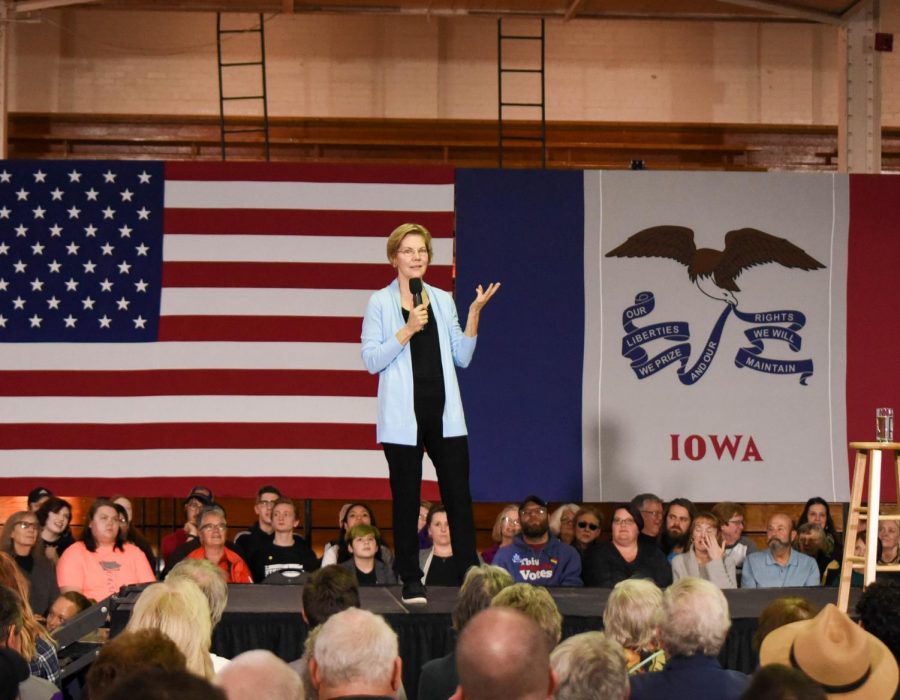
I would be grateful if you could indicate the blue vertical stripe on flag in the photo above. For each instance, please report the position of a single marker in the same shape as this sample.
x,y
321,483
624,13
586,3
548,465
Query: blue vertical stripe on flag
x,y
522,393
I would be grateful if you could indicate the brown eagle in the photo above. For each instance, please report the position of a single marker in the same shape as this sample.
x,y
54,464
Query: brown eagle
x,y
744,248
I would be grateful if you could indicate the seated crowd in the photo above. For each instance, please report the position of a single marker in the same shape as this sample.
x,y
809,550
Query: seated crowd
x,y
664,622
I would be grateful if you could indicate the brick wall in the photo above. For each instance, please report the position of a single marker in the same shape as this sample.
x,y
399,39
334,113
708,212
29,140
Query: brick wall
x,y
100,61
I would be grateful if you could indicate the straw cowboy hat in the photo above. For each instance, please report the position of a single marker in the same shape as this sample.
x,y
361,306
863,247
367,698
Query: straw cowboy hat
x,y
836,653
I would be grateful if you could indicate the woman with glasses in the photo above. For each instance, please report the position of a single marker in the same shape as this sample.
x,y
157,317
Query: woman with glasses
x,y
20,540
587,530
102,562
705,557
625,556
506,526
411,338
213,530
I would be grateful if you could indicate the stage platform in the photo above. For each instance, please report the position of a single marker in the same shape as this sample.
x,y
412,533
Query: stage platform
x,y
268,617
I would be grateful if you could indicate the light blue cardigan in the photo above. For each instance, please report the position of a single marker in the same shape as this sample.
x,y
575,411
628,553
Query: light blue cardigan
x,y
382,353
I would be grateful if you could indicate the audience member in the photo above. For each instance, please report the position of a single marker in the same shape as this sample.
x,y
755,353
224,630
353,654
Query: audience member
x,y
679,516
37,497
248,543
336,551
536,603
54,517
839,655
355,654
286,551
178,609
506,526
131,532
503,654
328,591
811,542
35,643
695,624
15,637
438,679
778,682
128,653
102,562
199,497
780,565
632,616
888,542
878,609
651,508
363,544
562,522
817,511
587,529
625,556
438,566
424,539
737,547
705,557
780,612
13,671
259,674
536,556
212,546
209,578
65,607
590,666
159,684
20,540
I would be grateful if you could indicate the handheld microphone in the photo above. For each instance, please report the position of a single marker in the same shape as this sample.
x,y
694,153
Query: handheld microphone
x,y
415,286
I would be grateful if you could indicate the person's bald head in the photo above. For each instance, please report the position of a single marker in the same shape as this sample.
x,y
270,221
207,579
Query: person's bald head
x,y
501,653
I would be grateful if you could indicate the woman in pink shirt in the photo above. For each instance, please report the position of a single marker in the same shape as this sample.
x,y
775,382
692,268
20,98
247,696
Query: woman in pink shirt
x,y
102,562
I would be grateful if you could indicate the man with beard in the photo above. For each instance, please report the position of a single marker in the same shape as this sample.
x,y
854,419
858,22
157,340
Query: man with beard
x,y
536,556
781,565
679,517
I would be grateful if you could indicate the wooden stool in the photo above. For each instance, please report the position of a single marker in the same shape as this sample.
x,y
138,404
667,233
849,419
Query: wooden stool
x,y
867,453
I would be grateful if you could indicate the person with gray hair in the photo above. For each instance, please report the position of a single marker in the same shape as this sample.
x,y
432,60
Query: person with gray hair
x,y
502,653
438,679
694,627
213,529
259,674
590,666
632,616
355,653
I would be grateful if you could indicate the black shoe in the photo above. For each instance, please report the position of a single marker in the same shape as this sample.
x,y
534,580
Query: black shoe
x,y
414,593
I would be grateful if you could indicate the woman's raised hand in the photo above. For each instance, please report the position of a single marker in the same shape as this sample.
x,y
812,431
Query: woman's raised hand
x,y
483,296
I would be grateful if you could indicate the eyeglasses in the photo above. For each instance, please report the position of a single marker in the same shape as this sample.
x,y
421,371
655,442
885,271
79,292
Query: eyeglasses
x,y
655,514
533,511
410,252
23,525
584,525
220,527
736,523
509,521
566,521
623,522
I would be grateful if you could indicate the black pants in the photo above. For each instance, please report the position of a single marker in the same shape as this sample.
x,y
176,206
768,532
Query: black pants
x,y
451,461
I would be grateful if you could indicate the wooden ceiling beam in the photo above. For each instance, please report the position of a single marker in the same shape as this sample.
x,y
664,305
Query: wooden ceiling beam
x,y
789,11
35,5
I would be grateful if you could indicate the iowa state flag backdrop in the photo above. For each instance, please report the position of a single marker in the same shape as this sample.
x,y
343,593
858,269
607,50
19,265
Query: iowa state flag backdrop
x,y
183,322
682,333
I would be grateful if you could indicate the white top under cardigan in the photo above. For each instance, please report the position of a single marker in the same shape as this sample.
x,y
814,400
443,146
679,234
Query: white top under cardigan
x,y
720,571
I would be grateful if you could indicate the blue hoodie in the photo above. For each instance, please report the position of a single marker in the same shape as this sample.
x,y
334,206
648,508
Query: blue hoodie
x,y
554,564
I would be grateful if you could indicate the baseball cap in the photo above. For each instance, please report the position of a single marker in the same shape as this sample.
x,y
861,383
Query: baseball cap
x,y
202,494
37,494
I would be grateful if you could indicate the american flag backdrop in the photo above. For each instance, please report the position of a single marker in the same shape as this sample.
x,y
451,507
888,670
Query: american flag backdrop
x,y
198,322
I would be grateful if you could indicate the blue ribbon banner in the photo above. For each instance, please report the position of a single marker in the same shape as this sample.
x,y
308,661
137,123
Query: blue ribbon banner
x,y
645,366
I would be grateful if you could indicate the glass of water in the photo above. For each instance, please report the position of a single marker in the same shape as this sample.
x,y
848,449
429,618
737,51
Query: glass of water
x,y
884,424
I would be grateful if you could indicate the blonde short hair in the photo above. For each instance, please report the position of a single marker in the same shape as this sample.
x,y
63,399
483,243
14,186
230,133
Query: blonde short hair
x,y
633,613
536,603
497,532
696,618
590,665
179,610
398,234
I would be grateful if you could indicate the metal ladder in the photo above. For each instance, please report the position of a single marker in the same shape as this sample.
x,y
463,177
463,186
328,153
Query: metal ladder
x,y
262,94
505,132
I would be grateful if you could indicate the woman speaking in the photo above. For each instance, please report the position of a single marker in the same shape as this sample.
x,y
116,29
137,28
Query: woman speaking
x,y
411,337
